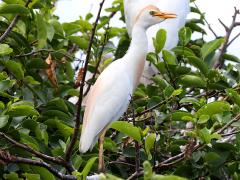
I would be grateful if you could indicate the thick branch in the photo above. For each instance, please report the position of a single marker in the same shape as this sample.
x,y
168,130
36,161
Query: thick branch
x,y
78,116
38,154
11,26
8,158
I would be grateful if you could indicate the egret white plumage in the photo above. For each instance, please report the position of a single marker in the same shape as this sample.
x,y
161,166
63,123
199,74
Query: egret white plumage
x,y
179,7
109,97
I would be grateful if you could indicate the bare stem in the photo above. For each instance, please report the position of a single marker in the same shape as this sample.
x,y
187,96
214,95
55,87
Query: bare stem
x,y
220,62
78,116
12,24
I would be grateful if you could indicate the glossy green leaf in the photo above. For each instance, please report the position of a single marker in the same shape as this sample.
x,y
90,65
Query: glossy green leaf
x,y
41,31
214,108
81,42
128,129
210,47
22,108
149,144
192,81
160,40
198,63
169,58
15,68
3,120
5,49
88,167
13,9
231,57
6,84
234,96
184,35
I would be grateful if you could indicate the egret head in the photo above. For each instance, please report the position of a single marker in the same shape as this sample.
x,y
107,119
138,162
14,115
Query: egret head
x,y
151,15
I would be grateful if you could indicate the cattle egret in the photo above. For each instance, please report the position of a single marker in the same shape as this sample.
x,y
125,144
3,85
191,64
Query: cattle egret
x,y
109,97
179,7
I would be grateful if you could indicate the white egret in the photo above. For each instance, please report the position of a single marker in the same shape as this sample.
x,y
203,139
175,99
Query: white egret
x,y
109,97
179,7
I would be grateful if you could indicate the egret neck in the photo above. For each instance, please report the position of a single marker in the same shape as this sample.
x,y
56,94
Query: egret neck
x,y
136,54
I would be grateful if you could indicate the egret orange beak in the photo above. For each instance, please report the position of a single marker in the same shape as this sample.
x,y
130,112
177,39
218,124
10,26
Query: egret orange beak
x,y
164,15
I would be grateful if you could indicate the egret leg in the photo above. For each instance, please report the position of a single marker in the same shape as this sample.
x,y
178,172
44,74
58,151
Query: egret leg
x,y
101,165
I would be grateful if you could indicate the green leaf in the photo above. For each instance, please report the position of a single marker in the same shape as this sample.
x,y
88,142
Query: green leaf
x,y
81,42
167,177
231,57
192,81
5,49
15,68
183,51
32,176
31,80
198,63
177,92
203,119
6,84
12,176
148,173
88,167
214,108
179,115
235,97
44,173
210,47
149,143
22,108
184,34
13,9
160,40
128,129
41,31
169,58
3,120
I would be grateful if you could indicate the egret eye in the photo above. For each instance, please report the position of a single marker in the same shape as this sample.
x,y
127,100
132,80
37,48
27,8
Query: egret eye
x,y
152,13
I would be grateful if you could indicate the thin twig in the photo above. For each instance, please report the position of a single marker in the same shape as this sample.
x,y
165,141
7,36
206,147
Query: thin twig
x,y
99,61
235,119
78,116
151,109
45,50
220,62
206,21
12,24
8,158
37,153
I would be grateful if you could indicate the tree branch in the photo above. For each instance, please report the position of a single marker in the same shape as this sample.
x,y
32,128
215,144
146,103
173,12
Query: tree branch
x,y
12,24
78,116
237,118
220,62
8,158
38,154
99,61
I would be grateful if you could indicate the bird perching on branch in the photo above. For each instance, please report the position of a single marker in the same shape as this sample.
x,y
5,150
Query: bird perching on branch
x,y
109,97
179,7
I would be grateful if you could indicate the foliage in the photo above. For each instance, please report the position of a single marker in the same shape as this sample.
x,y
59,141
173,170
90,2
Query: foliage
x,y
185,121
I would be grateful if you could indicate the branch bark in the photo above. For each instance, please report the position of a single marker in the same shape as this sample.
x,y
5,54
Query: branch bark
x,y
78,116
8,158
220,62
37,153
12,25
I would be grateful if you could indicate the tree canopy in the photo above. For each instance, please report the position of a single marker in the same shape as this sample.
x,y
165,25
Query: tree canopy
x,y
183,125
